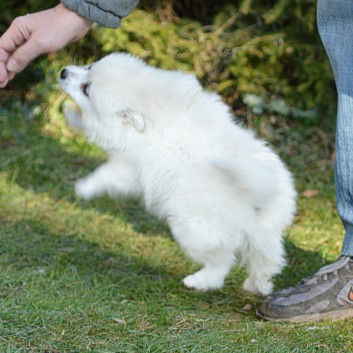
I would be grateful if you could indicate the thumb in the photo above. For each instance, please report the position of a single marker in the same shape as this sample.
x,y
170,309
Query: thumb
x,y
22,56
3,72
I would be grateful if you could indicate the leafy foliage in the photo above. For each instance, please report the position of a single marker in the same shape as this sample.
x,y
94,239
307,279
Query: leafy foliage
x,y
269,49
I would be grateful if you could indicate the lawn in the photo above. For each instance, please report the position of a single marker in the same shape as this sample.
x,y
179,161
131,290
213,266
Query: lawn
x,y
104,276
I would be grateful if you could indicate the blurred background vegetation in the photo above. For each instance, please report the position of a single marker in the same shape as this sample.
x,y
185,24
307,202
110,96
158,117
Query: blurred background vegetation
x,y
264,57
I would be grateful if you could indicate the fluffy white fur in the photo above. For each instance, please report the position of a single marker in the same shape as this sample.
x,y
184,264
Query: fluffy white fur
x,y
223,192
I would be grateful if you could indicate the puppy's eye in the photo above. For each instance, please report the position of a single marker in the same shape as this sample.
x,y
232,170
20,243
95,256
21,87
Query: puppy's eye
x,y
85,89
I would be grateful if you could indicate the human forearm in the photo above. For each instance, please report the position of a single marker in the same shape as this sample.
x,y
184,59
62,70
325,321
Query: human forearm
x,y
108,13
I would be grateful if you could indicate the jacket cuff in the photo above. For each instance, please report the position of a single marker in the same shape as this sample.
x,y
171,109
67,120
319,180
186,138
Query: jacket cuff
x,y
107,13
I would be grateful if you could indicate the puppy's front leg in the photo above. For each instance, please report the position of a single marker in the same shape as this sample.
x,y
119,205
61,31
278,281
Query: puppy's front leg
x,y
73,116
111,178
92,185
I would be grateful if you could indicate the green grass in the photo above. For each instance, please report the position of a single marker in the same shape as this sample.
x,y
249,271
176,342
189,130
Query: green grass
x,y
104,276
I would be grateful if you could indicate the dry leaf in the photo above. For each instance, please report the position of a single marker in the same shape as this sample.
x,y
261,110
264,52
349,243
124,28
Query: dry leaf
x,y
119,321
310,193
247,307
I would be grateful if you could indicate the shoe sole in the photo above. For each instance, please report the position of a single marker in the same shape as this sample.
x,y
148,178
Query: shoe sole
x,y
338,315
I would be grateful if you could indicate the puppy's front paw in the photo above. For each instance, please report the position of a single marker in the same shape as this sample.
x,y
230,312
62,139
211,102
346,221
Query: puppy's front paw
x,y
84,190
259,287
73,116
203,280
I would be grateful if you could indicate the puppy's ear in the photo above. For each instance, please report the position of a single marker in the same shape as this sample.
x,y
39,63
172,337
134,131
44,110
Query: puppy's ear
x,y
133,118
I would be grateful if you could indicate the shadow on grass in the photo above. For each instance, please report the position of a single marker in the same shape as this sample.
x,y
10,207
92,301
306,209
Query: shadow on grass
x,y
32,245
301,264
30,251
41,164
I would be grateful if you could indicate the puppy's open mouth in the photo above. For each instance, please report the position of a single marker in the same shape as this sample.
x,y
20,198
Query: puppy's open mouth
x,y
85,88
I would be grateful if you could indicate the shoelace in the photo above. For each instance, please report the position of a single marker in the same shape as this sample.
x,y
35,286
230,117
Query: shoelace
x,y
327,271
323,274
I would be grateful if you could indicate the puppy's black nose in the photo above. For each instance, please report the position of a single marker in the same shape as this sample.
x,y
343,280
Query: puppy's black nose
x,y
64,73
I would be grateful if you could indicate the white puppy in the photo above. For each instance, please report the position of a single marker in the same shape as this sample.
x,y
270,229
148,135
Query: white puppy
x,y
224,193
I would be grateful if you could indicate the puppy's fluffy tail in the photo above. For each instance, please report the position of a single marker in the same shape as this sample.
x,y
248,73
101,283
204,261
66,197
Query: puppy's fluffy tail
x,y
257,177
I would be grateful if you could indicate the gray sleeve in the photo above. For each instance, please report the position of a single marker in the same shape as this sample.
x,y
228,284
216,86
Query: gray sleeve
x,y
107,13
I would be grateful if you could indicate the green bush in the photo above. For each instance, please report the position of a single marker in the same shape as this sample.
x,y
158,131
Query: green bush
x,y
268,49
243,51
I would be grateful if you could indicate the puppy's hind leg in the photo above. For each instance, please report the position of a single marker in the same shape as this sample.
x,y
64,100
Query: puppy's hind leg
x,y
262,262
207,247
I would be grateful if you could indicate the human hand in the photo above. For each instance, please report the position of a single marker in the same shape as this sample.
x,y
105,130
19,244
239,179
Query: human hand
x,y
35,34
